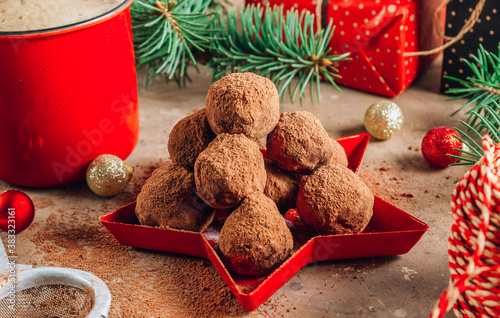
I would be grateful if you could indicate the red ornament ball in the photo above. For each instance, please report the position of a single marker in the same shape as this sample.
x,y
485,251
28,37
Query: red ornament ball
x,y
437,143
16,211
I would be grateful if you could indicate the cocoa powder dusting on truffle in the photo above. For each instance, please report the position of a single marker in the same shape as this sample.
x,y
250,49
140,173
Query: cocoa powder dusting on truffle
x,y
339,156
189,137
281,186
255,239
299,143
142,172
168,200
231,167
333,200
243,103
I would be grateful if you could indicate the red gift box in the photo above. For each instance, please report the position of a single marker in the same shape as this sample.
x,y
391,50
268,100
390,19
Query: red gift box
x,y
377,34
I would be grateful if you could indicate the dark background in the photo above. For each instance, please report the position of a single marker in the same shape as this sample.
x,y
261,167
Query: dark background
x,y
486,32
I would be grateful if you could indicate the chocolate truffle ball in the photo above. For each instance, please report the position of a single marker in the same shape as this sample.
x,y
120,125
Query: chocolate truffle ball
x,y
281,186
299,143
229,169
334,200
243,103
339,156
168,200
189,137
255,239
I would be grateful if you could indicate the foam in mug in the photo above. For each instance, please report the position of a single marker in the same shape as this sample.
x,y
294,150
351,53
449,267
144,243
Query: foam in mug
x,y
27,15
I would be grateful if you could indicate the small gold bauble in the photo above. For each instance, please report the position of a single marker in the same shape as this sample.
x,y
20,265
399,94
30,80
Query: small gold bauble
x,y
383,119
108,175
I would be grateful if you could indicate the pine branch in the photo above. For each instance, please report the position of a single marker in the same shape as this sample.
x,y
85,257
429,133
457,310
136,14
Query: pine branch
x,y
483,89
168,34
277,46
489,122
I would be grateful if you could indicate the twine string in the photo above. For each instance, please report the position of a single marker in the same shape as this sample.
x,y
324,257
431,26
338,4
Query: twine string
x,y
437,20
319,15
469,24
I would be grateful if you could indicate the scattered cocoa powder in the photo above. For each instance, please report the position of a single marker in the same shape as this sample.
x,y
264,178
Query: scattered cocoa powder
x,y
42,203
243,103
382,181
189,137
255,239
142,283
299,143
168,200
334,200
231,167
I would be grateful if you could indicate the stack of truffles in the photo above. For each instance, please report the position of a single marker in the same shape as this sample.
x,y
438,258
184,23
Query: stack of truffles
x,y
217,164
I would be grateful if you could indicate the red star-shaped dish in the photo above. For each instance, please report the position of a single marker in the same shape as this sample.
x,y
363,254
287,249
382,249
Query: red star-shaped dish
x,y
391,231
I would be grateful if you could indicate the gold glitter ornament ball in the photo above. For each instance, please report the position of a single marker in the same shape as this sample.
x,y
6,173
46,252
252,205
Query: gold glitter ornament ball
x,y
383,119
108,175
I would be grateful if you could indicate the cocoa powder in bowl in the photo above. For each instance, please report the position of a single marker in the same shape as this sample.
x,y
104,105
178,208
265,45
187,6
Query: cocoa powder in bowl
x,y
168,200
243,103
255,239
299,143
229,169
189,137
281,186
334,200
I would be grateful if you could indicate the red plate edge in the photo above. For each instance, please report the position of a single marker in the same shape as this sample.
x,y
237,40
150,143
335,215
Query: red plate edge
x,y
355,148
398,233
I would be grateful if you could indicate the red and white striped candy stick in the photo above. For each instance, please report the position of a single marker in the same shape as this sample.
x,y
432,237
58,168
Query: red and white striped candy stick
x,y
474,243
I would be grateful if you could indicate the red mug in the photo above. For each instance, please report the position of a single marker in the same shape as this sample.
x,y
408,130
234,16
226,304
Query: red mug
x,y
67,95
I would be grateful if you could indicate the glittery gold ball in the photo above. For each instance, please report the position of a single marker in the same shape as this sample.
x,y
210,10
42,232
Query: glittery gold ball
x,y
108,175
383,119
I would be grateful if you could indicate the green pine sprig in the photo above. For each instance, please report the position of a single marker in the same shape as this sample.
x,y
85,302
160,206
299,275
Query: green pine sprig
x,y
277,45
482,89
473,151
168,34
